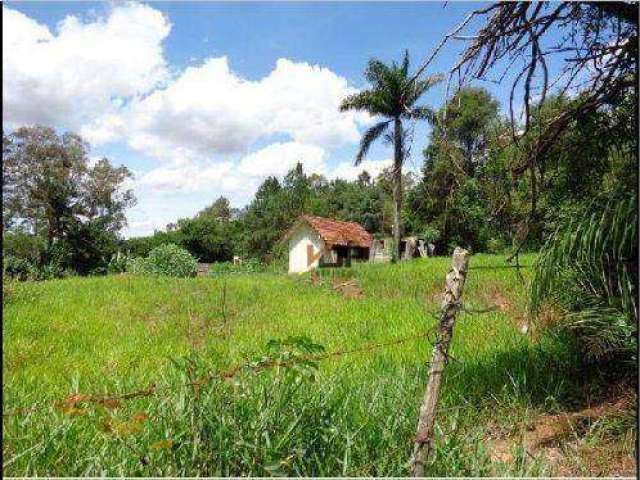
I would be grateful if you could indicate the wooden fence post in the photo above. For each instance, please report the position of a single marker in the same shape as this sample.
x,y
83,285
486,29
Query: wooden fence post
x,y
450,306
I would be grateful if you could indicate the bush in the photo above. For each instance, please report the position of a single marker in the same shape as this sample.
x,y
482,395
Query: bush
x,y
431,234
19,268
588,269
137,266
53,270
169,260
118,263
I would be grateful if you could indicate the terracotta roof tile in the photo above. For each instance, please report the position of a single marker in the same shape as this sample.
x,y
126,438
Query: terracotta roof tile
x,y
336,232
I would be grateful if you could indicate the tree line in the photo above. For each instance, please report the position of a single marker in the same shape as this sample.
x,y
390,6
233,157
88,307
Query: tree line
x,y
63,213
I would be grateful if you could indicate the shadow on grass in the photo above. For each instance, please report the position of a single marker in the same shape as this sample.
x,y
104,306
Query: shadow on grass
x,y
549,374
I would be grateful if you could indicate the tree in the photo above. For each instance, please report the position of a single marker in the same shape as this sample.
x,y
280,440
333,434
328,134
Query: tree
x,y
450,196
51,191
218,210
465,123
393,96
598,53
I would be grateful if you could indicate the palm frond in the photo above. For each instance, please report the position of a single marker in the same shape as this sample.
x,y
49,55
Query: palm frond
x,y
368,138
371,101
422,85
405,64
377,73
588,267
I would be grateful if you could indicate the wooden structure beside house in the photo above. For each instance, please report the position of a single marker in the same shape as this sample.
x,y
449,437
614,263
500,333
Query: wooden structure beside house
x,y
323,242
410,247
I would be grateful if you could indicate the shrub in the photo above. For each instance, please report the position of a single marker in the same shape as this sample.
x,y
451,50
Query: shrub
x,y
169,260
431,234
588,268
53,270
137,266
18,268
118,263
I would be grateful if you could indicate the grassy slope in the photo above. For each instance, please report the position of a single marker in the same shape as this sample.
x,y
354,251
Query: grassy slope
x,y
118,333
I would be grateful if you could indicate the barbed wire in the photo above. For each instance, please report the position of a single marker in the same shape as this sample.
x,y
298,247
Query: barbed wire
x,y
111,400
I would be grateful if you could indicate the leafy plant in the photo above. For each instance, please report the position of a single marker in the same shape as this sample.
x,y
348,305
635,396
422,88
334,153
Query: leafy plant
x,y
588,268
118,263
496,245
18,268
250,265
169,260
431,234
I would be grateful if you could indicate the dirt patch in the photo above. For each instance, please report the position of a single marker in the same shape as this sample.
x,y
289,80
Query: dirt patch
x,y
500,301
562,440
347,288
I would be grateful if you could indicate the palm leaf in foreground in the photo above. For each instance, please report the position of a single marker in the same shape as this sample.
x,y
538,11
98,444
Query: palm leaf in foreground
x,y
588,269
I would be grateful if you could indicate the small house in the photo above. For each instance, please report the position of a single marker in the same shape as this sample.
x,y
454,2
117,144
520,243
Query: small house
x,y
323,242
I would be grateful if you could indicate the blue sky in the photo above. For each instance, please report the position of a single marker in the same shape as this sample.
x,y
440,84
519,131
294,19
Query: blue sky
x,y
207,99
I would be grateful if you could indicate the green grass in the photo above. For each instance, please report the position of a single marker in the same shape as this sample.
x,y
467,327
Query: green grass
x,y
121,333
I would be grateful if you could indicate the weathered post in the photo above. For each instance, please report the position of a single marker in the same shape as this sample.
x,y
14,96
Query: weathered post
x,y
450,305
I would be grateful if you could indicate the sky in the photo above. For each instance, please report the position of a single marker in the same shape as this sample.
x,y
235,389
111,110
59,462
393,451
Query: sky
x,y
203,99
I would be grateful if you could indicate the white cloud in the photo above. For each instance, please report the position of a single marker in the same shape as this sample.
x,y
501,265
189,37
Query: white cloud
x,y
107,78
278,158
209,110
188,178
348,171
82,70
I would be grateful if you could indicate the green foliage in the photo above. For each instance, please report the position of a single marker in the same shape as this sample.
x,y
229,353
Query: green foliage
x,y
141,246
451,196
18,268
137,266
588,268
210,236
496,245
169,260
118,263
207,238
72,210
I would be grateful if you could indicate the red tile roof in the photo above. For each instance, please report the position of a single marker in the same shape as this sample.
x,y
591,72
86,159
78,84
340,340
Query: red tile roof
x,y
336,232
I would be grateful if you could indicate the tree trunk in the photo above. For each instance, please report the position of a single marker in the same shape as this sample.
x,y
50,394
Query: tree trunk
x,y
450,306
397,187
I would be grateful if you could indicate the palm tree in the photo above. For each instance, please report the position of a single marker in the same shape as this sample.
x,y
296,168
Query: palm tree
x,y
393,96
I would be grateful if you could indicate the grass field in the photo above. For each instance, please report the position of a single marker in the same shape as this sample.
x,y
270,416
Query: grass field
x,y
354,416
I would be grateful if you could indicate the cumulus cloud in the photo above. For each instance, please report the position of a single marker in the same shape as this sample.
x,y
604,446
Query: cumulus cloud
x,y
84,69
244,176
210,110
348,171
106,77
278,158
188,178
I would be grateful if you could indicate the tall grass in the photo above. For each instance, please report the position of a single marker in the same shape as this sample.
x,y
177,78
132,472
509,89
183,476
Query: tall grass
x,y
350,415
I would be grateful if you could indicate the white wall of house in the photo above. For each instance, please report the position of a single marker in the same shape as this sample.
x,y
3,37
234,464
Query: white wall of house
x,y
299,242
